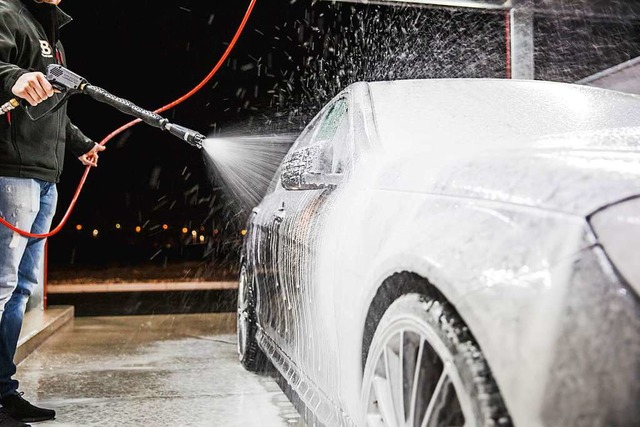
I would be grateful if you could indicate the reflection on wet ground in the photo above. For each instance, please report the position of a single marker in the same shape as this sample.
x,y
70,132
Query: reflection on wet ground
x,y
162,370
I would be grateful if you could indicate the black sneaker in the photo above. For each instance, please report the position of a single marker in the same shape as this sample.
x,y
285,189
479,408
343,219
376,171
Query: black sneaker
x,y
22,410
7,420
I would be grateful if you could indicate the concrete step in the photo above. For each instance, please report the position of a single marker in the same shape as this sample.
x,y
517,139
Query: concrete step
x,y
40,324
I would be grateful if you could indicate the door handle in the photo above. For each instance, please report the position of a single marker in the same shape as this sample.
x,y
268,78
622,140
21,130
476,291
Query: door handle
x,y
280,213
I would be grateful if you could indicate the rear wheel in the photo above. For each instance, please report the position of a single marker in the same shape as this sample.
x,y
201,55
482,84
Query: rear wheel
x,y
424,369
250,355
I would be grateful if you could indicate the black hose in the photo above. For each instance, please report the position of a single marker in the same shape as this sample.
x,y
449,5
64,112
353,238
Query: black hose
x,y
148,117
127,107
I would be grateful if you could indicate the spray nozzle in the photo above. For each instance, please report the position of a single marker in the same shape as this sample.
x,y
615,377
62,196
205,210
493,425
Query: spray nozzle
x,y
192,137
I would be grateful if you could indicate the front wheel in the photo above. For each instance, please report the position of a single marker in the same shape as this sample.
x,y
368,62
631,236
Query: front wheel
x,y
249,354
425,369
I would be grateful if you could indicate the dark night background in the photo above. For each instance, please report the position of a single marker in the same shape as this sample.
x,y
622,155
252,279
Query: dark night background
x,y
292,58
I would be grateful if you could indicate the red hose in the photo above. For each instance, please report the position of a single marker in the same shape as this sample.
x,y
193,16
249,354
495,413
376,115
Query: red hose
x,y
215,69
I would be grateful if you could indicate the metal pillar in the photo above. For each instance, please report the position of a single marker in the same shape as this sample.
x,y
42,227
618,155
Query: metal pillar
x,y
520,43
476,4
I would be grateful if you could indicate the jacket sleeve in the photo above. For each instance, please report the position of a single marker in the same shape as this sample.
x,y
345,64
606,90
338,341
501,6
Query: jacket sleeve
x,y
9,45
77,142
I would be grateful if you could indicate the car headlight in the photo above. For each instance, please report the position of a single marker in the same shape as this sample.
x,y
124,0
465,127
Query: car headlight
x,y
618,230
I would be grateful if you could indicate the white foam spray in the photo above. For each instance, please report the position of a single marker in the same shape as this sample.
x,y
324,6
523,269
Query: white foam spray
x,y
244,166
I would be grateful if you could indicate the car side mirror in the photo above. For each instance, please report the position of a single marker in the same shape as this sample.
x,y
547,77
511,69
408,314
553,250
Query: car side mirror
x,y
304,170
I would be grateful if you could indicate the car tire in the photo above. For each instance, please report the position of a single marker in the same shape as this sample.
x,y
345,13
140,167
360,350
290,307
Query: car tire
x,y
424,368
249,353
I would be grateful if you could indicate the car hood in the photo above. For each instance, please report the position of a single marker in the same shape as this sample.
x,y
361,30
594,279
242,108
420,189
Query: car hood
x,y
575,173
448,113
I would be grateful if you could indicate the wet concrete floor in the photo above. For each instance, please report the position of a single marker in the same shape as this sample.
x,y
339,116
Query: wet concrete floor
x,y
162,370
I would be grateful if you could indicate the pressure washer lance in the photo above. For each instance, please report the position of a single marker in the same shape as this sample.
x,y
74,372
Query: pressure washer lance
x,y
70,83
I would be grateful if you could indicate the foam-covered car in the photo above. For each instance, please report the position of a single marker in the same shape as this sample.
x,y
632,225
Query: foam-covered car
x,y
453,252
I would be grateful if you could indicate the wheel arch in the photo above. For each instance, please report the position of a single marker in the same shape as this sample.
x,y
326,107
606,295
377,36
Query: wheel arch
x,y
392,288
490,407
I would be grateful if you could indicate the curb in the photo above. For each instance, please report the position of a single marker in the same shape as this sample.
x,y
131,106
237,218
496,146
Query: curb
x,y
39,325
139,287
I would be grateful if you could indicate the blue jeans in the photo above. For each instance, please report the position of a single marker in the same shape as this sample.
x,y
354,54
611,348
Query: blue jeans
x,y
30,205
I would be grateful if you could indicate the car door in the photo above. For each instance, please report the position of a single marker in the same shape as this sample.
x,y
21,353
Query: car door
x,y
300,218
266,221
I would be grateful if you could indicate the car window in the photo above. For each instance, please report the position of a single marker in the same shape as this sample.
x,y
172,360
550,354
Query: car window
x,y
323,127
337,153
332,137
331,121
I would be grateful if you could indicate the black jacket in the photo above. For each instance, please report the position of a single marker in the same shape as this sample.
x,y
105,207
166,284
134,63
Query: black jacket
x,y
29,42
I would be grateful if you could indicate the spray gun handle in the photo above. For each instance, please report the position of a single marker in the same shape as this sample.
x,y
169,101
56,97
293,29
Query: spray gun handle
x,y
64,79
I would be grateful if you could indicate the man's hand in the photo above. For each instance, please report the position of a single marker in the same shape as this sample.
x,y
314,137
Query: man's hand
x,y
90,158
33,87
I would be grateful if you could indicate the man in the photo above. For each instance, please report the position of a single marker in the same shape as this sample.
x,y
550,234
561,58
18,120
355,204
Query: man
x,y
31,157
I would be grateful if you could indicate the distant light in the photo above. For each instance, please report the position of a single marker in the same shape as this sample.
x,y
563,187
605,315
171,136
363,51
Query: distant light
x,y
138,229
118,226
194,233
216,231
202,238
79,227
95,233
185,230
165,227
243,232
202,228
